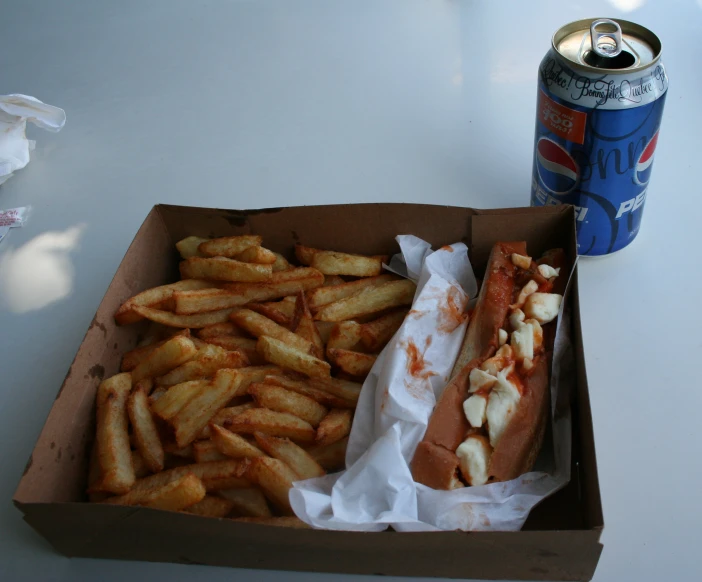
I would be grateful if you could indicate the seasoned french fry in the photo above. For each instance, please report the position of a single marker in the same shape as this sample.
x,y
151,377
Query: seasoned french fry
x,y
164,358
335,263
305,254
186,453
282,400
258,325
376,334
243,344
281,263
144,430
333,280
206,451
223,269
196,320
203,365
295,457
303,325
272,423
275,478
215,475
154,296
324,328
249,502
347,390
278,353
229,246
257,255
345,335
194,416
353,363
156,394
305,387
223,416
284,521
147,385
282,312
173,401
206,300
219,330
189,246
331,457
112,437
94,476
211,506
334,426
178,495
321,296
232,445
141,469
369,300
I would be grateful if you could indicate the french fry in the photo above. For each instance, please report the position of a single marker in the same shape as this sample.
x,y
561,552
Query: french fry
x,y
321,296
278,353
305,387
215,475
229,246
248,502
211,506
334,426
223,269
303,325
232,445
282,312
196,320
331,457
205,301
186,453
275,478
258,325
353,363
156,394
244,344
173,401
189,246
282,400
257,255
94,476
206,451
223,416
134,357
295,457
219,330
305,254
347,390
333,280
112,437
284,521
144,430
369,300
141,469
147,385
335,263
376,334
203,365
345,335
272,423
164,358
178,495
194,416
281,263
324,328
154,296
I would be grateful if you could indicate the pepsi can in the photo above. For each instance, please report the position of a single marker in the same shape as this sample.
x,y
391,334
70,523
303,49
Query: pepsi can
x,y
602,87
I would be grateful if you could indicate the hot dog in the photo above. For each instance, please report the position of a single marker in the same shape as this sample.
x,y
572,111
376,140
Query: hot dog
x,y
489,423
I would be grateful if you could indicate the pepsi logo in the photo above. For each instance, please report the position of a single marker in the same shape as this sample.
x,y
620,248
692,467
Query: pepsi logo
x,y
557,169
642,172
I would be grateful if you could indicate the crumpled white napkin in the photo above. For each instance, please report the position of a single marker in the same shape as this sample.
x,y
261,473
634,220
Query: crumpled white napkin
x,y
377,490
15,111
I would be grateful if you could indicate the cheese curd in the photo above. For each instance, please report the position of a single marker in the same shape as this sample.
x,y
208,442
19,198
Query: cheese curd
x,y
531,287
521,261
543,307
502,404
502,337
473,459
480,380
523,342
547,271
516,318
474,408
499,361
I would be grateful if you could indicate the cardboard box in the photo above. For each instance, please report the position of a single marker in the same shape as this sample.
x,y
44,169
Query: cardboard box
x,y
560,540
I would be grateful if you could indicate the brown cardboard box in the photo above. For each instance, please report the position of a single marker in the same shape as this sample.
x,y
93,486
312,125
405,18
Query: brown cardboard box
x,y
560,540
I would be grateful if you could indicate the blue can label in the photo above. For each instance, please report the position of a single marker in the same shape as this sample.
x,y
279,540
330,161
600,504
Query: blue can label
x,y
595,141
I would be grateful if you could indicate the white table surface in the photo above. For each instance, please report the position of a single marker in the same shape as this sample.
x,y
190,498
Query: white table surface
x,y
249,104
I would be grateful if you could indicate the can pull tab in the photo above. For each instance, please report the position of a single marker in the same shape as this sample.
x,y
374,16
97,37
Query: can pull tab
x,y
606,38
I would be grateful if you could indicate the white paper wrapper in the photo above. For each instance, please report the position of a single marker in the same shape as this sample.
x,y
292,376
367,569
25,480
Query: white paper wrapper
x,y
15,111
377,490
13,218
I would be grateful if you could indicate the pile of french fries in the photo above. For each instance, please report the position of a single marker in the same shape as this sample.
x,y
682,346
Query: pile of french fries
x,y
246,381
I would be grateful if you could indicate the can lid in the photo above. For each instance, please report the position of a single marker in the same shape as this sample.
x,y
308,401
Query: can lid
x,y
609,45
